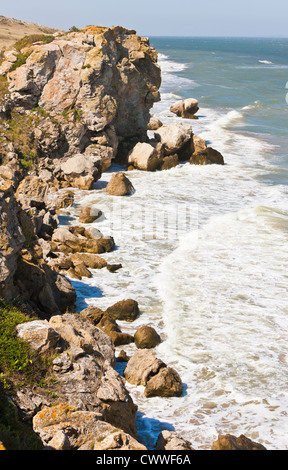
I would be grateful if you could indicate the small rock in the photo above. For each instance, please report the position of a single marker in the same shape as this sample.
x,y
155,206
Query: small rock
x,y
146,337
89,215
229,442
119,185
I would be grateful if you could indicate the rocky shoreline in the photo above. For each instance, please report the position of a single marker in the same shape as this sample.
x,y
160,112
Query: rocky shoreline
x,y
70,105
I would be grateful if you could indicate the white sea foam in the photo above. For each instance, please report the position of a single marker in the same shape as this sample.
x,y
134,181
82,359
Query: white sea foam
x,y
268,62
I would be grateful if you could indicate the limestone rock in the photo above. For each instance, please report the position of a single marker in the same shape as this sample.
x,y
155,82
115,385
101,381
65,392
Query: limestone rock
x,y
83,369
154,124
185,108
168,440
166,383
127,310
229,442
40,335
146,337
11,242
81,171
64,427
89,215
207,157
173,137
141,366
144,157
119,185
91,89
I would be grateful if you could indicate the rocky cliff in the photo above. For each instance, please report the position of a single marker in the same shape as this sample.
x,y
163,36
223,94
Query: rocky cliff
x,y
86,92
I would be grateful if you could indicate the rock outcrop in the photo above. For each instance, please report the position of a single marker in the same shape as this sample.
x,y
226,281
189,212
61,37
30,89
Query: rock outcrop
x,y
25,226
83,369
82,93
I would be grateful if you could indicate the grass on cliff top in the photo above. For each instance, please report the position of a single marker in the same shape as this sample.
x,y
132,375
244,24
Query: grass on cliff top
x,y
28,41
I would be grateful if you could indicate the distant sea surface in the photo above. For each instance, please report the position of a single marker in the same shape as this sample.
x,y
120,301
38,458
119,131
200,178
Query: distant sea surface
x,y
216,288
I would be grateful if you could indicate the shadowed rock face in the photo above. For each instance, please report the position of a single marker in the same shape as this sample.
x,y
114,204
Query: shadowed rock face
x,y
95,87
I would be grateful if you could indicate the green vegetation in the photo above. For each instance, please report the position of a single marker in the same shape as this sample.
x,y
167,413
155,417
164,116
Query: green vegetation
x,y
3,86
73,29
15,354
20,366
21,60
15,434
28,41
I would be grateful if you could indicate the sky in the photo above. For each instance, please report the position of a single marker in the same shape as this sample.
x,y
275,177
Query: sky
x,y
244,18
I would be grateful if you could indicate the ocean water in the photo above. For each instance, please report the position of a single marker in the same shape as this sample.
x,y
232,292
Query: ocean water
x,y
204,248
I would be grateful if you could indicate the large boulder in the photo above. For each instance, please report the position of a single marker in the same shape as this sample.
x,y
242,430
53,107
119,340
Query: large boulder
x,y
169,440
185,108
81,171
64,427
143,368
144,156
208,156
167,383
83,366
173,137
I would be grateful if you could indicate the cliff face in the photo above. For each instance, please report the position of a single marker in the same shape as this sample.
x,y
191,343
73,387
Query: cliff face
x,y
85,92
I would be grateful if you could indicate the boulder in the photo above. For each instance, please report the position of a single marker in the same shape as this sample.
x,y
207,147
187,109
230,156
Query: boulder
x,y
169,162
173,137
40,335
194,146
185,108
89,260
144,156
127,310
89,215
141,366
66,427
106,323
168,440
119,185
208,156
229,442
78,239
166,383
146,337
81,171
154,124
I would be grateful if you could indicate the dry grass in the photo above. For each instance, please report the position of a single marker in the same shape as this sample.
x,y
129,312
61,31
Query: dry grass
x,y
11,30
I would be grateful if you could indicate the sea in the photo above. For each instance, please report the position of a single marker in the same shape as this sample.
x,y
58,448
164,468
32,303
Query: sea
x,y
204,249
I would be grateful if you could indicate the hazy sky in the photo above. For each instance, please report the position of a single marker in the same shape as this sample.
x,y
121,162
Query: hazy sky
x,y
160,17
